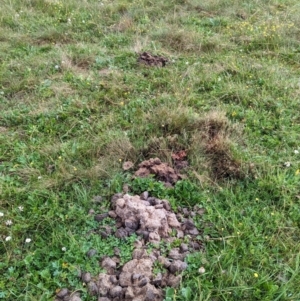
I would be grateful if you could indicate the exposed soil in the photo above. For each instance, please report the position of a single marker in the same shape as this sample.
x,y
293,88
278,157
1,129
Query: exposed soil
x,y
162,171
180,160
152,60
127,165
154,222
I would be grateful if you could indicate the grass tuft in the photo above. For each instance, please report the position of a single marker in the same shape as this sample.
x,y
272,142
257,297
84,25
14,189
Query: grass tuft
x,y
214,140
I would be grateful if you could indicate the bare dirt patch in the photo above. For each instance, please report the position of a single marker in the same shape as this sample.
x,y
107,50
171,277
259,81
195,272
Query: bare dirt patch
x,y
180,160
149,59
162,171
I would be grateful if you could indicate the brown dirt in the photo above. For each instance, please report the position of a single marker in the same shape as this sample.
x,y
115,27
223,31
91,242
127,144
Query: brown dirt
x,y
152,60
162,171
154,222
180,160
127,165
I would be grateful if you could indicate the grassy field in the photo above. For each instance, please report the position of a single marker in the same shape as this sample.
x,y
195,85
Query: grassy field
x,y
75,104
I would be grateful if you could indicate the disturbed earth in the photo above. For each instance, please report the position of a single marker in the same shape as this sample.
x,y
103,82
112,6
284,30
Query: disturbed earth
x,y
154,223
149,59
162,171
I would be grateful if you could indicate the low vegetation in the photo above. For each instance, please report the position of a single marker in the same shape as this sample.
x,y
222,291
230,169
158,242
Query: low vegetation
x,y
76,103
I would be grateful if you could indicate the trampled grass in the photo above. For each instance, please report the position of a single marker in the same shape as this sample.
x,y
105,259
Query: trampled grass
x,y
75,104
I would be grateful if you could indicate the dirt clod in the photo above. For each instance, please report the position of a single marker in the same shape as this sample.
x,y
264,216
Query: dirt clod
x,y
144,195
157,280
162,171
176,255
184,248
109,265
101,217
195,245
86,277
152,60
121,233
91,253
172,280
93,288
62,293
112,214
127,165
104,284
177,266
154,222
116,291
139,253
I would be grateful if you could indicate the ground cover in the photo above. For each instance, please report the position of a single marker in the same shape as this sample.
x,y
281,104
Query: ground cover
x,y
86,86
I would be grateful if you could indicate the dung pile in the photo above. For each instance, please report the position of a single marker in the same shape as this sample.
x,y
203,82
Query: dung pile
x,y
154,222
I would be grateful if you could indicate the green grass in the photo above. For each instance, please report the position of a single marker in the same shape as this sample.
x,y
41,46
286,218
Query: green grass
x,y
75,104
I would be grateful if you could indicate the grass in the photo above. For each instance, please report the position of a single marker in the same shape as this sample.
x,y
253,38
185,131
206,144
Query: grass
x,y
74,105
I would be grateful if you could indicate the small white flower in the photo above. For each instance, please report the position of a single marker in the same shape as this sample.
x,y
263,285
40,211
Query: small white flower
x,y
287,164
64,249
8,222
201,270
83,21
1,214
186,63
8,238
69,20
56,67
296,152
21,208
27,240
39,177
